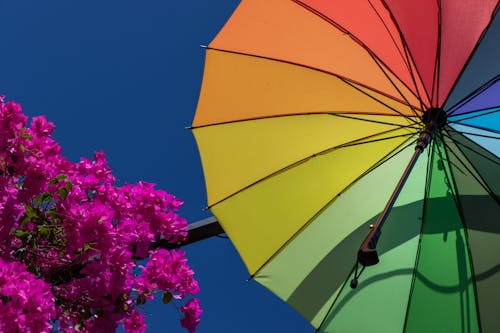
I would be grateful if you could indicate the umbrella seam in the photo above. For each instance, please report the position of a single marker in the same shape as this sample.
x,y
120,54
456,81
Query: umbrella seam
x,y
469,148
372,121
437,63
451,179
472,95
481,128
477,134
417,255
482,182
310,114
493,110
346,280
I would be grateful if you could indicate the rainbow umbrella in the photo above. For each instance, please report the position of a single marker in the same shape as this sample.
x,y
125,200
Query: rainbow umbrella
x,y
350,151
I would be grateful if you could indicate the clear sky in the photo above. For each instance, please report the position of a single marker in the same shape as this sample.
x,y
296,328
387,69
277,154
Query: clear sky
x,y
123,76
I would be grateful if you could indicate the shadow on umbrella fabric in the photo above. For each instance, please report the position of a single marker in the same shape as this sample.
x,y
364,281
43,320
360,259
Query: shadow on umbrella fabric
x,y
322,281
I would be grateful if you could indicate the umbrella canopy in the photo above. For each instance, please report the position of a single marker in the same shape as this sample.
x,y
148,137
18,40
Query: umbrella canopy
x,y
317,119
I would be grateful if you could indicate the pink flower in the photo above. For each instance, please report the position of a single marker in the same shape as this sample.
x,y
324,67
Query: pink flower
x,y
134,323
69,236
26,302
192,312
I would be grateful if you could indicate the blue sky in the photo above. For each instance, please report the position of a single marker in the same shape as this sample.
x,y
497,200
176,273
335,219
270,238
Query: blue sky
x,y
123,76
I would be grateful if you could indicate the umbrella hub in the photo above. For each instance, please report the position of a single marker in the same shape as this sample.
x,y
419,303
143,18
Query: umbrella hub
x,y
435,117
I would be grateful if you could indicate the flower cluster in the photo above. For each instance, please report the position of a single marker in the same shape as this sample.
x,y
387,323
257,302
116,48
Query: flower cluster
x,y
70,239
26,302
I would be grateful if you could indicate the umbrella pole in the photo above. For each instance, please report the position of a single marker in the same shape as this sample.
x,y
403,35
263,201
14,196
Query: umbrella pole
x,y
433,119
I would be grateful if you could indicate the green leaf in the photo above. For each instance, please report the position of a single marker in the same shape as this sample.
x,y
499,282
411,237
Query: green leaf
x,y
57,178
20,233
29,213
43,231
63,193
166,297
25,135
44,197
86,247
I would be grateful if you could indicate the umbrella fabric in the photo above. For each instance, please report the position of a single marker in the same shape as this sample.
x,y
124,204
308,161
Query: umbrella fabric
x,y
308,115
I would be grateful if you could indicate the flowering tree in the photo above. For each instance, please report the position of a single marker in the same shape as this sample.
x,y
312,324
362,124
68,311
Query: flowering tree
x,y
70,239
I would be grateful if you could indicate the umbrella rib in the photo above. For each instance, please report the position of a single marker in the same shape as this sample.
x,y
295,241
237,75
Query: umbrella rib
x,y
473,95
476,115
365,47
480,128
383,103
409,60
348,115
397,150
437,63
465,229
471,55
403,56
479,180
394,85
483,135
405,44
305,159
471,149
342,78
477,134
308,114
417,255
456,166
448,177
353,270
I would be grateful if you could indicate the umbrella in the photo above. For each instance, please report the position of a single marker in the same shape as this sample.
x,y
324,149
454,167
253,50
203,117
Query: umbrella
x,y
350,152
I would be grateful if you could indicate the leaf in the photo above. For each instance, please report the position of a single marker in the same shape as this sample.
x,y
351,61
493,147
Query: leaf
x,y
63,193
166,297
29,213
86,247
44,231
20,233
44,197
57,178
25,135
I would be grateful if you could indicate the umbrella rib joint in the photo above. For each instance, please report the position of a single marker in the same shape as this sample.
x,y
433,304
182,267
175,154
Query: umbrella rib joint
x,y
434,119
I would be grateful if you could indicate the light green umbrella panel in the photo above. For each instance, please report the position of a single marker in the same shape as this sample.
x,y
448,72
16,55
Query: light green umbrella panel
x,y
425,281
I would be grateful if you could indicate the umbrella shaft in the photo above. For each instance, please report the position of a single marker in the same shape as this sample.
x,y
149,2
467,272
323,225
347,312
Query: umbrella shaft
x,y
367,253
